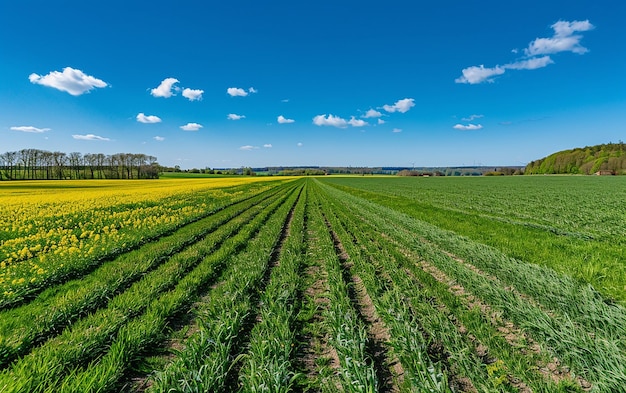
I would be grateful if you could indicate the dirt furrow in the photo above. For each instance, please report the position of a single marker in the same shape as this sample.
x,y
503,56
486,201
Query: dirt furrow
x,y
513,335
378,333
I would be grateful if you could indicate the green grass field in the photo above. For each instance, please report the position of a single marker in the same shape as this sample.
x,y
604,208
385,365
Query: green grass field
x,y
575,225
349,284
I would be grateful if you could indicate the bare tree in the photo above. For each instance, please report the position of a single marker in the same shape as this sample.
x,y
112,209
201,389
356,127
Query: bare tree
x,y
60,161
75,159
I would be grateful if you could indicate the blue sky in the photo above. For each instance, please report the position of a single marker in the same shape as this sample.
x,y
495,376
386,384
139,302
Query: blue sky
x,y
352,83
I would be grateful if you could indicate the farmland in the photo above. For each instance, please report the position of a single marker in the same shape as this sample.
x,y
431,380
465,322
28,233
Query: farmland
x,y
323,284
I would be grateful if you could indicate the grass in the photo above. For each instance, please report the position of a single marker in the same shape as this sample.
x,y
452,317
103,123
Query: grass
x,y
572,224
408,285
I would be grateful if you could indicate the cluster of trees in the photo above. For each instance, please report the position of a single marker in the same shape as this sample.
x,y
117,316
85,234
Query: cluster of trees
x,y
34,164
605,158
409,172
246,171
463,171
302,172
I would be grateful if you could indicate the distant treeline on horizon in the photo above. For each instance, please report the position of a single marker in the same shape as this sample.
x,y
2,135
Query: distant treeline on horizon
x,y
314,170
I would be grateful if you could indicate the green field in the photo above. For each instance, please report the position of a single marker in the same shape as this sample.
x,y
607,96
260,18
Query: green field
x,y
353,284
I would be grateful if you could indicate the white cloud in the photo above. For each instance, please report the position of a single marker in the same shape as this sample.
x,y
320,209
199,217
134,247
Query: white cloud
x,y
283,120
285,100
372,113
148,119
248,147
530,64
563,40
357,122
166,89
159,138
192,95
252,90
396,130
233,116
474,75
267,145
191,127
30,129
381,121
480,74
236,92
335,121
401,106
469,127
299,144
90,137
70,81
472,117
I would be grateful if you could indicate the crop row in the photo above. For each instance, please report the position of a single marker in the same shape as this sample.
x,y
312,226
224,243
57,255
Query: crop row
x,y
56,240
307,287
206,362
573,225
134,318
570,322
347,336
52,310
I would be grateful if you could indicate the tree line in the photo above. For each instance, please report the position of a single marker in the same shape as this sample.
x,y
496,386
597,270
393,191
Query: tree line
x,y
35,164
607,158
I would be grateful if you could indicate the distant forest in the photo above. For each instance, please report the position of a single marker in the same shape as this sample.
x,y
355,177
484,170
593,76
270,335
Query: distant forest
x,y
606,159
34,164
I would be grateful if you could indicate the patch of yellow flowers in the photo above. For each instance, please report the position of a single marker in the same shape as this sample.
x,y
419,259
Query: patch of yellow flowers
x,y
48,226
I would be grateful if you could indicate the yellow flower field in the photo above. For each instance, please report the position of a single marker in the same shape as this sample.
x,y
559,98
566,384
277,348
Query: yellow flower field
x,y
47,228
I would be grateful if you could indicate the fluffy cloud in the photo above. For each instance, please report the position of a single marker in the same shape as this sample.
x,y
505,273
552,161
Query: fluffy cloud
x,y
236,92
233,116
469,127
563,40
381,121
90,137
30,129
248,147
357,122
239,92
148,119
159,138
70,81
166,89
336,121
192,95
480,74
401,106
396,130
191,127
267,145
330,120
372,113
283,120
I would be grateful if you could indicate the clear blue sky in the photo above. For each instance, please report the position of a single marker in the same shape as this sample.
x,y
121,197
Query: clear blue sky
x,y
359,83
